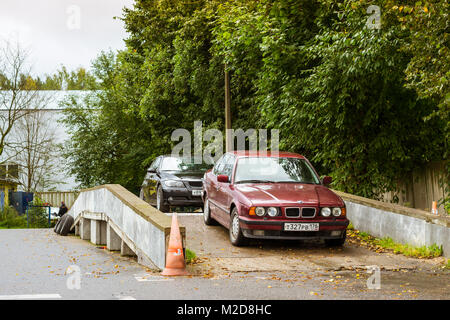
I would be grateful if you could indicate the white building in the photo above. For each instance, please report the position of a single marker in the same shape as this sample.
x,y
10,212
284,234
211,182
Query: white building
x,y
49,112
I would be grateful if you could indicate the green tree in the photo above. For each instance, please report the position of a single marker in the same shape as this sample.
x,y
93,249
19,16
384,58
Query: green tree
x,y
428,71
79,79
340,93
108,141
334,88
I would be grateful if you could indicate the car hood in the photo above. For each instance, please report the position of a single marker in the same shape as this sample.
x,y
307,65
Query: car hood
x,y
289,194
179,175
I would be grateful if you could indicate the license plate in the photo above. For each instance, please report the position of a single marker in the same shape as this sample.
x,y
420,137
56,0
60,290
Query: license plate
x,y
301,227
196,192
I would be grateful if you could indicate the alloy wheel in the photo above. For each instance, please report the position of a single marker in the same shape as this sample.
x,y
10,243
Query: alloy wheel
x,y
235,227
206,210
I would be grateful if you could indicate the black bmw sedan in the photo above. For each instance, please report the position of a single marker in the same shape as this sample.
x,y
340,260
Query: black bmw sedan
x,y
173,181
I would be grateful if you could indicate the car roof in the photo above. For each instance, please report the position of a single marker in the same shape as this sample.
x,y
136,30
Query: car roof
x,y
174,156
262,154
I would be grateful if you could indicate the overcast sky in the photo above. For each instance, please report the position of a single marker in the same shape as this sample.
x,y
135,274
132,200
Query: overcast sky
x,y
69,32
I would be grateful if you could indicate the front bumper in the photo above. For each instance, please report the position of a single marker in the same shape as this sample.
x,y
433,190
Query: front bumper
x,y
274,229
182,197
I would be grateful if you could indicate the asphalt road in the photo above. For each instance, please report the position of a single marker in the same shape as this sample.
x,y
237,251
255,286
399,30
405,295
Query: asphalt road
x,y
34,265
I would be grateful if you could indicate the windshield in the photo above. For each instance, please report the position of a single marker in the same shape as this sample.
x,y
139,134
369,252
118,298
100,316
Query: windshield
x,y
180,164
274,170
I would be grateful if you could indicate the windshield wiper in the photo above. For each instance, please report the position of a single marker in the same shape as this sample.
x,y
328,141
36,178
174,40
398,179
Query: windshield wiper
x,y
255,181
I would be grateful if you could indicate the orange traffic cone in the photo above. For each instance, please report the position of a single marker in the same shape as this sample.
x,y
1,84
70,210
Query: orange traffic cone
x,y
434,208
175,264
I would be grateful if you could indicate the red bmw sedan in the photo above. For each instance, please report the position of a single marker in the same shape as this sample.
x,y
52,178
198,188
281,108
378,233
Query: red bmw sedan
x,y
268,195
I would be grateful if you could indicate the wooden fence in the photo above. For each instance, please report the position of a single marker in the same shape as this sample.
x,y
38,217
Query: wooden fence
x,y
54,198
421,188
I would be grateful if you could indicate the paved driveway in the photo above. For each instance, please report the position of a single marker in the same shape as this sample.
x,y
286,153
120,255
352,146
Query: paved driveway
x,y
34,265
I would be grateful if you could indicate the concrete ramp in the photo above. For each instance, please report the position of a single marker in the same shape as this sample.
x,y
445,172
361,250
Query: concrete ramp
x,y
112,216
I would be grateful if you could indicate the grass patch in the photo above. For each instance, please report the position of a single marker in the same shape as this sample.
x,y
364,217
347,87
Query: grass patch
x,y
190,256
387,244
410,251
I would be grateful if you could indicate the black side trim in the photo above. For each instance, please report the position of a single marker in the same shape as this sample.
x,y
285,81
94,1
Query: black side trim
x,y
217,206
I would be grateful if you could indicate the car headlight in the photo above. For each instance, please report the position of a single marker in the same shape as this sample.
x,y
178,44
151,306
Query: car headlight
x,y
174,184
336,212
260,211
326,212
272,211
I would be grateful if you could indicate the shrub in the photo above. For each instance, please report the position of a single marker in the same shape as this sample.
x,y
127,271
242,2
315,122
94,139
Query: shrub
x,y
37,216
10,219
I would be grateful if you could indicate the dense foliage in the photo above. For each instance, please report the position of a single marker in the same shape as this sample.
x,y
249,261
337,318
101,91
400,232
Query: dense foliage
x,y
36,217
10,219
365,105
62,79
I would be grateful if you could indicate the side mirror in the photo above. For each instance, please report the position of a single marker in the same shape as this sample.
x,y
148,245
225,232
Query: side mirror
x,y
223,178
327,181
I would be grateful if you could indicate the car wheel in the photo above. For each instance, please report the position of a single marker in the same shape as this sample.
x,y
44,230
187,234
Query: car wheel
x,y
207,219
236,236
336,242
66,225
160,201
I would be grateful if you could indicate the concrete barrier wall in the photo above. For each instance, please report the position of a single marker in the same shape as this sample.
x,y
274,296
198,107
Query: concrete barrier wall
x,y
404,225
105,213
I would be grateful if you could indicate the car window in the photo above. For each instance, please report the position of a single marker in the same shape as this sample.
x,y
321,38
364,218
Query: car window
x,y
274,170
153,168
219,165
228,166
155,164
182,164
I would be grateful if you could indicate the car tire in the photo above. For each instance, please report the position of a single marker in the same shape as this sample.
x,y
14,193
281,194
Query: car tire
x,y
60,224
56,225
336,242
207,219
236,237
160,201
66,225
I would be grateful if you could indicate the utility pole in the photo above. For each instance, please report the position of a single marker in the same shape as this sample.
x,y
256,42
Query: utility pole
x,y
228,135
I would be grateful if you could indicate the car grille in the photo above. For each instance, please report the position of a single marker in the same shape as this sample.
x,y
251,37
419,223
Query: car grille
x,y
195,184
297,212
308,212
292,212
306,234
178,198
